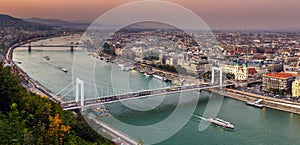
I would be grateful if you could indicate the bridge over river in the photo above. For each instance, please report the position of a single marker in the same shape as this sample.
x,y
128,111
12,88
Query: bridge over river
x,y
83,103
71,46
80,102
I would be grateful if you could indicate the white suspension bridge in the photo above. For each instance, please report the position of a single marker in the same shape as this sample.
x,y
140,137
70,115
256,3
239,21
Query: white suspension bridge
x,y
81,102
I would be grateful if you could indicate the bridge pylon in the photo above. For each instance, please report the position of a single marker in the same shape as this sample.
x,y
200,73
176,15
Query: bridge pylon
x,y
213,75
79,86
72,47
29,47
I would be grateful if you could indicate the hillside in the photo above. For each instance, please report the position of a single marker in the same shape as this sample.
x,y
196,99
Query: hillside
x,y
14,30
4,17
29,119
56,22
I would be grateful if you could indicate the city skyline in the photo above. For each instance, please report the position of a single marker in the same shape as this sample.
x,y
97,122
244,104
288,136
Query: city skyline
x,y
232,14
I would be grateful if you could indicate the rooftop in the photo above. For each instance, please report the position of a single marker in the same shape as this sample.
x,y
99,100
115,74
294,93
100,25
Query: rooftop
x,y
281,75
252,71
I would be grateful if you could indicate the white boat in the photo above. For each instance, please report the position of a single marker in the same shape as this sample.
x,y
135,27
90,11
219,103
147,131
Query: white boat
x,y
64,70
127,69
222,123
146,75
256,103
158,77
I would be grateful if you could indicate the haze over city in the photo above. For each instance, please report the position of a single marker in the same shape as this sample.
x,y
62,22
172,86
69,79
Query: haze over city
x,y
236,14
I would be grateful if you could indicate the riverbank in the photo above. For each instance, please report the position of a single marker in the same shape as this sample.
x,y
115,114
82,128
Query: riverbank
x,y
273,103
147,70
30,84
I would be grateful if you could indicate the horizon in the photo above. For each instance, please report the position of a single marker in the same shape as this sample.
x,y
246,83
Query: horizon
x,y
228,14
213,29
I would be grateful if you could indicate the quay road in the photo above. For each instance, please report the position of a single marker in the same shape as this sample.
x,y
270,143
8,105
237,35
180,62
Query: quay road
x,y
274,103
31,84
119,136
71,105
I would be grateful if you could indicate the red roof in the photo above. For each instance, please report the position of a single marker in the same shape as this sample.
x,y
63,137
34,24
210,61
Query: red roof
x,y
280,75
252,71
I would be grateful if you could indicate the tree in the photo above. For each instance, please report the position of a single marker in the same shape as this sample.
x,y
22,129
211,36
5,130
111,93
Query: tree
x,y
141,142
57,131
207,75
12,126
230,76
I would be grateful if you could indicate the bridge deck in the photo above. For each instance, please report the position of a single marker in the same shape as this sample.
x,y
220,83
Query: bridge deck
x,y
72,105
59,45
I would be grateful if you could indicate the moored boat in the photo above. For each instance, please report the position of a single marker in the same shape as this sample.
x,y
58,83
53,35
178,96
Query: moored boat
x,y
158,77
256,103
146,75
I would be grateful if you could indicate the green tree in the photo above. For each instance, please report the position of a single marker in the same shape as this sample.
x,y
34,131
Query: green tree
x,y
12,126
10,89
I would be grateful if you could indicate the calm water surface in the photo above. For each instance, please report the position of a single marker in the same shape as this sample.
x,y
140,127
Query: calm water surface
x,y
254,126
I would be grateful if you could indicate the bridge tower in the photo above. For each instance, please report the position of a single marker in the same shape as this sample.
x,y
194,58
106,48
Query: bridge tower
x,y
29,47
79,83
213,75
72,47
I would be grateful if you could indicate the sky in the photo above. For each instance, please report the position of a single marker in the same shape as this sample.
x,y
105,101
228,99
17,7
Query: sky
x,y
260,14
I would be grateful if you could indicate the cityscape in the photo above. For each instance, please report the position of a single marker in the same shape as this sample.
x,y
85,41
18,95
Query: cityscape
x,y
79,80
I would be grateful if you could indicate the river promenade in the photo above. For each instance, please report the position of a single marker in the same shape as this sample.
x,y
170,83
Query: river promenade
x,y
274,103
30,84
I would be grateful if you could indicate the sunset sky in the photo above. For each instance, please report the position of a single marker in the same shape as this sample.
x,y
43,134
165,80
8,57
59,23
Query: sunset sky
x,y
216,13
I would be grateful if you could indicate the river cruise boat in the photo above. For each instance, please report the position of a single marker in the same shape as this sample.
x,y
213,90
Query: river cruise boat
x,y
221,123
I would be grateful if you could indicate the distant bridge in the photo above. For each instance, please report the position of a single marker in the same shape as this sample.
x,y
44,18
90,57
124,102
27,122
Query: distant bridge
x,y
71,46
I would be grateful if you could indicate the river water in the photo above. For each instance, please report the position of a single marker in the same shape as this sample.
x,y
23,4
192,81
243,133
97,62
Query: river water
x,y
254,126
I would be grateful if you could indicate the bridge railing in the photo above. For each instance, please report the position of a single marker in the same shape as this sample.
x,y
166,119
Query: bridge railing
x,y
113,99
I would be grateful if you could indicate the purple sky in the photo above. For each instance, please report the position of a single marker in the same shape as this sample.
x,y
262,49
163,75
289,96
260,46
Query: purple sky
x,y
216,13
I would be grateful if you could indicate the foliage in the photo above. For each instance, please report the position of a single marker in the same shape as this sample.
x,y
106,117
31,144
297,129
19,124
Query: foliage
x,y
167,68
207,75
230,76
29,119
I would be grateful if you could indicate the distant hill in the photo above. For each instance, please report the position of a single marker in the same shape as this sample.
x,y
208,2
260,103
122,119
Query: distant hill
x,y
56,22
4,17
46,21
150,25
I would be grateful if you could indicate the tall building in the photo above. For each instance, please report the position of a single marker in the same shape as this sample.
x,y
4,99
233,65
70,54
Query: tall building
x,y
278,83
296,88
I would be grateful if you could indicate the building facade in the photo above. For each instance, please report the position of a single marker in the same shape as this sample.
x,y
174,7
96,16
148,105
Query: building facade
x,y
296,88
275,67
241,72
278,83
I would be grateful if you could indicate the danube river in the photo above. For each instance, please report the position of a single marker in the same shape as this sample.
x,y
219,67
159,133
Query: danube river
x,y
254,126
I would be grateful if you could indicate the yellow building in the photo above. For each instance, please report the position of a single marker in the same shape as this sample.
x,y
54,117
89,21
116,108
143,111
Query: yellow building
x,y
296,88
